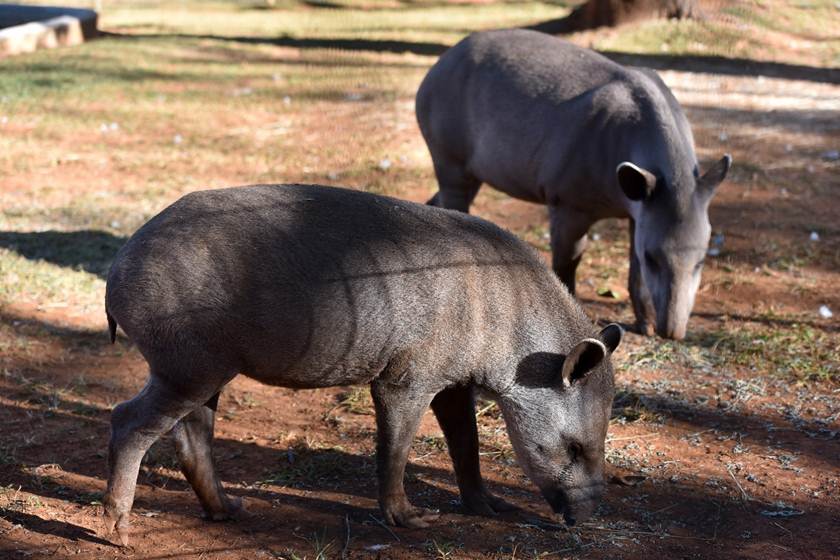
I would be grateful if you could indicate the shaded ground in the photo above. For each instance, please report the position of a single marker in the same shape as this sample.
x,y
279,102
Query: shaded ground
x,y
735,433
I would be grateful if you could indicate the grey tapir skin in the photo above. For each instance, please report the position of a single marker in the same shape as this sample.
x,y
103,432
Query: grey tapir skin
x,y
307,286
552,123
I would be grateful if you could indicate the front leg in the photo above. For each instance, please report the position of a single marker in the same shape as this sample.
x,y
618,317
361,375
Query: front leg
x,y
568,242
455,411
639,294
398,413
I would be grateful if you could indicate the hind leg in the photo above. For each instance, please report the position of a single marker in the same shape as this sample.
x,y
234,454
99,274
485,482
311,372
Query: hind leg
x,y
135,425
457,187
194,441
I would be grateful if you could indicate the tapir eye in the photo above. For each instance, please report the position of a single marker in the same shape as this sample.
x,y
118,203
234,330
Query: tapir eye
x,y
540,449
575,451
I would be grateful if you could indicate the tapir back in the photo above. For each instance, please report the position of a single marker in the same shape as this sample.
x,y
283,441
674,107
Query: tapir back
x,y
312,286
544,120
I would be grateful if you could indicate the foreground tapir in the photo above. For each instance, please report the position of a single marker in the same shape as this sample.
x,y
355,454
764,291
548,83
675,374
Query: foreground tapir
x,y
549,122
307,286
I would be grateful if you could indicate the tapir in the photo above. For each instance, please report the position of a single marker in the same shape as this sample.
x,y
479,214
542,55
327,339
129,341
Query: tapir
x,y
307,286
549,122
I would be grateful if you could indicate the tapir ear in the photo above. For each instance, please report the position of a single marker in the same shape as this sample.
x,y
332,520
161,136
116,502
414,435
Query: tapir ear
x,y
637,183
714,176
611,335
582,359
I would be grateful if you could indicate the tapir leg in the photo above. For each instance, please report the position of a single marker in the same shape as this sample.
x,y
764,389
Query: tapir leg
x,y
457,187
194,441
398,413
455,411
568,242
639,295
135,425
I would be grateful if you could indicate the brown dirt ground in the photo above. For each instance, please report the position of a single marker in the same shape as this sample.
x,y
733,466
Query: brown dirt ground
x,y
716,449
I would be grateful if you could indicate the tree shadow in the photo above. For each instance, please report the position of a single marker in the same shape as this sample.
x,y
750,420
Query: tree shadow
x,y
88,250
347,44
711,64
684,63
793,120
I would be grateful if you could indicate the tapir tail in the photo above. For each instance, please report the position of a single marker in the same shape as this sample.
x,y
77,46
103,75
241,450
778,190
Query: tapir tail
x,y
112,326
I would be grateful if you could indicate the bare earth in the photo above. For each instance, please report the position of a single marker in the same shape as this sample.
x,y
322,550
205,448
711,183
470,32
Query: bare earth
x,y
710,456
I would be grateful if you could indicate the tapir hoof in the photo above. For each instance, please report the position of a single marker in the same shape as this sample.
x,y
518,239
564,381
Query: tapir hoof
x,y
234,509
116,520
412,517
644,328
486,504
119,523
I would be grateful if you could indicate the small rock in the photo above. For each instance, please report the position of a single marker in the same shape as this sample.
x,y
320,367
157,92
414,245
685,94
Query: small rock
x,y
287,100
354,97
332,176
4,119
596,237
788,148
825,312
113,126
713,251
723,137
814,236
177,139
831,155
385,164
115,224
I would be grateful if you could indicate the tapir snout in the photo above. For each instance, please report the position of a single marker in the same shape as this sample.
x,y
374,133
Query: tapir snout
x,y
575,504
674,301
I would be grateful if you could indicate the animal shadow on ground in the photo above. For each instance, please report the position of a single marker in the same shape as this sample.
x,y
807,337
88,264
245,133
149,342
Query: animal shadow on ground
x,y
52,527
88,250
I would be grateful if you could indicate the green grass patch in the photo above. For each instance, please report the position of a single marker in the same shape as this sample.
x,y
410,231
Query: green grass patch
x,y
798,351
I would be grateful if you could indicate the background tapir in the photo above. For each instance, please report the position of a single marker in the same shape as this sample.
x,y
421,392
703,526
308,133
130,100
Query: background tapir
x,y
308,286
549,122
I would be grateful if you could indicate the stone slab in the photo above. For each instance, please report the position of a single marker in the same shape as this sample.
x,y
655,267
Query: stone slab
x,y
29,28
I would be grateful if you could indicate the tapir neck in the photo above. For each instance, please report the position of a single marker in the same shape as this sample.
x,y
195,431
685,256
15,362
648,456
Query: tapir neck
x,y
548,322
